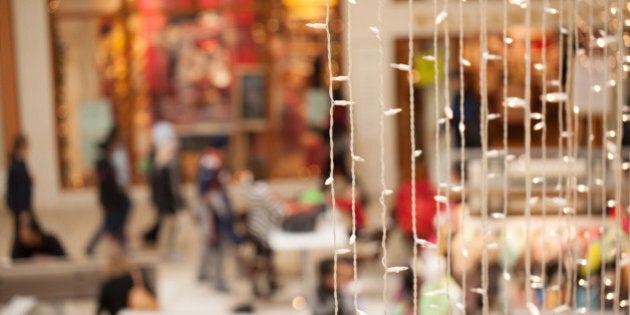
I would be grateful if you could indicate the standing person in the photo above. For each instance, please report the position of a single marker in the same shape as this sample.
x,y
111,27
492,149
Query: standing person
x,y
216,215
471,114
113,195
19,184
150,236
164,175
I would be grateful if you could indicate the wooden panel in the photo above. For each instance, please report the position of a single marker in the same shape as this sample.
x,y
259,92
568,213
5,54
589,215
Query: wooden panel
x,y
402,119
10,110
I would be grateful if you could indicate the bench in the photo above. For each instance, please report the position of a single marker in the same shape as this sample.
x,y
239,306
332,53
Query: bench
x,y
61,279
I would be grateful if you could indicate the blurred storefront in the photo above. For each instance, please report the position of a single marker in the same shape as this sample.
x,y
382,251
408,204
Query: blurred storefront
x,y
236,74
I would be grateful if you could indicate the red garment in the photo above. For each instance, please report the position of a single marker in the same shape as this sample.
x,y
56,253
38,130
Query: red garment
x,y
625,219
426,207
345,206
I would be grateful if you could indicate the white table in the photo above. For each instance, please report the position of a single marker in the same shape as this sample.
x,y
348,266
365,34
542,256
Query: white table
x,y
306,242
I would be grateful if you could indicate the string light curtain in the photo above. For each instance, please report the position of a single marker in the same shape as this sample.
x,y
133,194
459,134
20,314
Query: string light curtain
x,y
559,205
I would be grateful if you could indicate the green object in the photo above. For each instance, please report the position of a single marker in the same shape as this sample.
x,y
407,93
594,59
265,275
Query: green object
x,y
594,258
311,197
432,302
426,68
512,251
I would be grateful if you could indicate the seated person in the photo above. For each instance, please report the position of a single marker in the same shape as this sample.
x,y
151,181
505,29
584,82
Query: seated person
x,y
265,212
325,304
120,279
33,242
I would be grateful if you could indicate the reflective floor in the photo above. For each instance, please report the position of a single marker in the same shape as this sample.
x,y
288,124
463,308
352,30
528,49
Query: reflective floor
x,y
178,290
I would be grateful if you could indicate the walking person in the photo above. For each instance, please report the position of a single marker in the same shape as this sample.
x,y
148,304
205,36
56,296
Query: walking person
x,y
164,182
164,178
113,195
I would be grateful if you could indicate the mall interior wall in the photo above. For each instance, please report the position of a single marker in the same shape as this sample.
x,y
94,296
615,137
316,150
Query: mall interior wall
x,y
31,30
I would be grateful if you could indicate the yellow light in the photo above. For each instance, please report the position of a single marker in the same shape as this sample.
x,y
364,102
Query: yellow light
x,y
307,9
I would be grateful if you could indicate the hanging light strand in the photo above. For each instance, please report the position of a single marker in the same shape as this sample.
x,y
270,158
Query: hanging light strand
x,y
483,77
572,149
384,190
561,105
462,150
353,155
412,136
447,144
438,19
528,181
330,179
617,161
543,268
506,300
590,139
604,190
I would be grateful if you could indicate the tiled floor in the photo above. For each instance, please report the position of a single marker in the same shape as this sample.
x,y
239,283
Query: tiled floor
x,y
178,289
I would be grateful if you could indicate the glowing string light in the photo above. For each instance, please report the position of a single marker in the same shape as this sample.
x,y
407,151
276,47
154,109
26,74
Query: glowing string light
x,y
330,180
501,216
355,158
617,161
412,139
483,38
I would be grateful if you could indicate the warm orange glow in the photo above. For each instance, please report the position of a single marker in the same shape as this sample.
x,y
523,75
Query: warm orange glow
x,y
307,9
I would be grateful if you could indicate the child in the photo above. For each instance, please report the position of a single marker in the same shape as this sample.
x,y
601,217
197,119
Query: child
x,y
325,304
216,216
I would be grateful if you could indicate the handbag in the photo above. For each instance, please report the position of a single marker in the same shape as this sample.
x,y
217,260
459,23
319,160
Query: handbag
x,y
300,222
139,298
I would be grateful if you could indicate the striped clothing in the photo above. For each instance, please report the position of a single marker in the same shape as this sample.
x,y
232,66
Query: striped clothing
x,y
265,211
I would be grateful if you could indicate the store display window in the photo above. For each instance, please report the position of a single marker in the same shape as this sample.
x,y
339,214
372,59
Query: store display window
x,y
247,71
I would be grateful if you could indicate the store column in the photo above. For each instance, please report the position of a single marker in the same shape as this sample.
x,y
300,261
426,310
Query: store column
x,y
9,124
34,86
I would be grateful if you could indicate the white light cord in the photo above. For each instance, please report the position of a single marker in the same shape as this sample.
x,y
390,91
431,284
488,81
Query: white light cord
x,y
438,165
447,158
330,179
353,157
506,301
589,145
412,131
528,144
617,155
572,187
483,77
604,190
381,99
462,151
543,268
561,105
572,149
